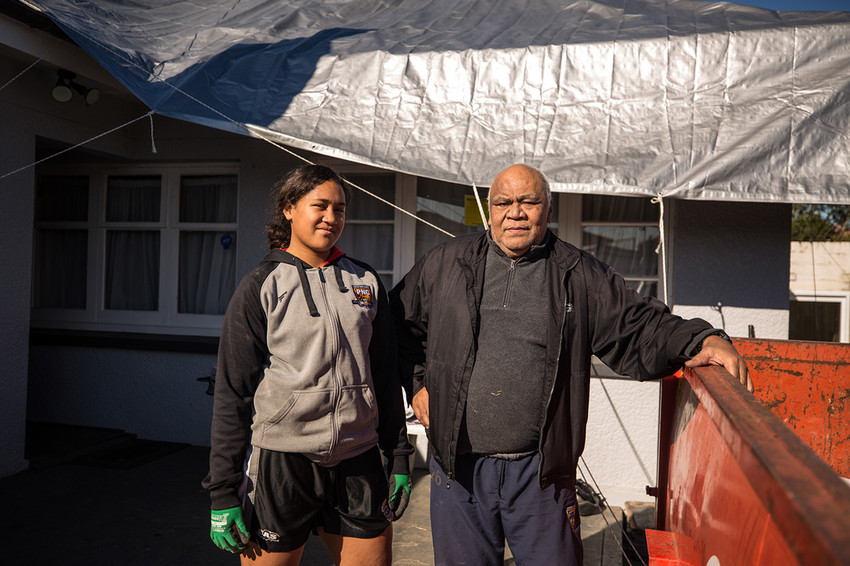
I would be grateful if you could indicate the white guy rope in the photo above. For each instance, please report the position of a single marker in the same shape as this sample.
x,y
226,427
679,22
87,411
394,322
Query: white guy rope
x,y
13,79
355,185
595,486
18,170
480,208
153,143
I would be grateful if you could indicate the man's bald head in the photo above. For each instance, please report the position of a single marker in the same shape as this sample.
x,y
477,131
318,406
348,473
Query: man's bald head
x,y
520,170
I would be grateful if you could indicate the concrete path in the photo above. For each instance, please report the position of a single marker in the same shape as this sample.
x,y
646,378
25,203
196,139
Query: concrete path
x,y
156,513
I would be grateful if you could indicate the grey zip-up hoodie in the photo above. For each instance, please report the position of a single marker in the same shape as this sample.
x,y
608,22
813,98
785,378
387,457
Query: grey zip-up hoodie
x,y
306,364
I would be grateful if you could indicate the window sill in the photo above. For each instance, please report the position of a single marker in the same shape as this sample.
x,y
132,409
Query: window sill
x,y
124,340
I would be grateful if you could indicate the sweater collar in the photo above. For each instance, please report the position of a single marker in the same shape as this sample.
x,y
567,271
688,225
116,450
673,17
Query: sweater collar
x,y
534,252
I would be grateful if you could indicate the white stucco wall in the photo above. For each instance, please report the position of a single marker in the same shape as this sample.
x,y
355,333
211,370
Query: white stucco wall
x,y
731,265
151,394
154,395
768,323
622,439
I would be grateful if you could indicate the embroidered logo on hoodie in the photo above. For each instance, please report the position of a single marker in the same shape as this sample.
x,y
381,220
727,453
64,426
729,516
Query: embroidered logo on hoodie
x,y
363,294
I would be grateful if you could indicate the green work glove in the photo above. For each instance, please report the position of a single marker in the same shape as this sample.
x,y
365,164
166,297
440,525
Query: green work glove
x,y
227,529
400,485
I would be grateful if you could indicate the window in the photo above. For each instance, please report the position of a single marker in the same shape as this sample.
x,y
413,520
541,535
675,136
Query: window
x,y
443,204
824,317
61,242
147,249
622,232
369,233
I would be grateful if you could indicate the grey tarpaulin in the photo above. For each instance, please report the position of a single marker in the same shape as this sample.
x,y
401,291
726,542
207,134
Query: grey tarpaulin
x,y
690,99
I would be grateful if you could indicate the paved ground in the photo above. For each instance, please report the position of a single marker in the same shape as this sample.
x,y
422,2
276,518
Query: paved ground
x,y
140,503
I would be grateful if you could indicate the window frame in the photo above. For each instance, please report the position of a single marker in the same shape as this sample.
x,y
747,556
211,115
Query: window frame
x,y
166,319
840,297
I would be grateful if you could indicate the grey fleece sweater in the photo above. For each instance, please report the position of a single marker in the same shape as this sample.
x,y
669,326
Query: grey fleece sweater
x,y
506,387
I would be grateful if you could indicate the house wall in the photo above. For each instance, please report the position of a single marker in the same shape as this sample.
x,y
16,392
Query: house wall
x,y
149,393
155,394
820,266
736,255
621,451
15,254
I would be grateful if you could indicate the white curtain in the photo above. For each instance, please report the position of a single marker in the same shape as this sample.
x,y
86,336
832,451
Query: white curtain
x,y
369,234
207,271
60,269
60,251
132,256
133,198
208,198
372,243
628,249
132,270
207,267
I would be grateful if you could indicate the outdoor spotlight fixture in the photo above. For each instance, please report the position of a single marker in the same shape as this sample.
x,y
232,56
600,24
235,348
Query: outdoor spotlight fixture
x,y
66,86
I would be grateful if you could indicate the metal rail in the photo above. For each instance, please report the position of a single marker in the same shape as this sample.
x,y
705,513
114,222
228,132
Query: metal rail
x,y
739,484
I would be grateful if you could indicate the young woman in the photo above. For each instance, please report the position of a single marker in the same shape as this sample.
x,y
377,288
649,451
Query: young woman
x,y
307,395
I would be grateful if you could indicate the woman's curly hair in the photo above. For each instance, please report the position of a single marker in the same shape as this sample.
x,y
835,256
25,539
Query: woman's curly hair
x,y
290,189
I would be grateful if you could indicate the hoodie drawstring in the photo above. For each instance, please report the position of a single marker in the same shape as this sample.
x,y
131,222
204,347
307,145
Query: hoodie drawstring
x,y
339,281
305,285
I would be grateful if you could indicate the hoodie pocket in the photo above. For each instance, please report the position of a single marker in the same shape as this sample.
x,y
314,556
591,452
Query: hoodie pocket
x,y
303,424
357,408
356,421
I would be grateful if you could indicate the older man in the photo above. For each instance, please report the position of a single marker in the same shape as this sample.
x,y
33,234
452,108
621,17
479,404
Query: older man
x,y
497,331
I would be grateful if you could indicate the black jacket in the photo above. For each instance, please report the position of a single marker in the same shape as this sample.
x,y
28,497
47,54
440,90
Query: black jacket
x,y
592,312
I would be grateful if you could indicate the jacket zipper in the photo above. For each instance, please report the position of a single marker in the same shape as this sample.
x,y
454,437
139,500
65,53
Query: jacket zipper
x,y
508,285
336,391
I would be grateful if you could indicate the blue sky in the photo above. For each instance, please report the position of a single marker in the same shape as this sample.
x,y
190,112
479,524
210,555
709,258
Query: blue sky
x,y
812,5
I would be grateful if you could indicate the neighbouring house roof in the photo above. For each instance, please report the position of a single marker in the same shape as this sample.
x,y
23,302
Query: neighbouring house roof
x,y
698,100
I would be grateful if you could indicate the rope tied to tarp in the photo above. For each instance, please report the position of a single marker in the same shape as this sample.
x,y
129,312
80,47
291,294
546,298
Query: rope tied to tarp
x,y
480,207
153,143
355,185
661,248
216,111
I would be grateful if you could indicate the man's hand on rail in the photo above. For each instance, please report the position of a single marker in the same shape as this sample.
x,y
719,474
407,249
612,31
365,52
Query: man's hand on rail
x,y
718,352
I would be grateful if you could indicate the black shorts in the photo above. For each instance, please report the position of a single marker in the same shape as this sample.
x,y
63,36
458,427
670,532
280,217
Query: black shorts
x,y
292,496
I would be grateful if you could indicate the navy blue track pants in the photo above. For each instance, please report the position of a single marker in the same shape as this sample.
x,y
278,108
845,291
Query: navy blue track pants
x,y
491,500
